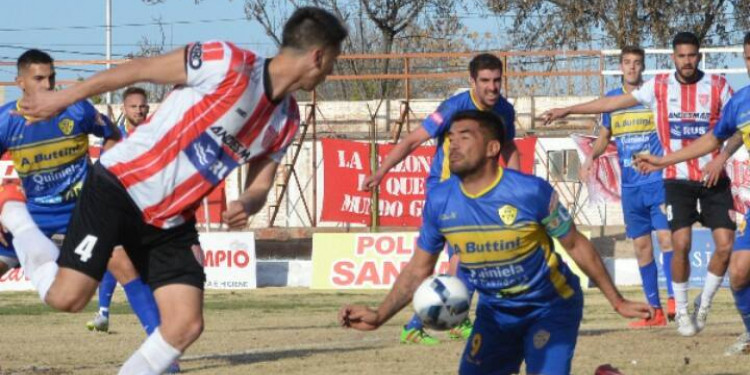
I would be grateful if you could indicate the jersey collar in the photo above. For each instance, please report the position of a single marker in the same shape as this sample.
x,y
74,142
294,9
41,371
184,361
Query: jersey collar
x,y
476,102
18,110
500,172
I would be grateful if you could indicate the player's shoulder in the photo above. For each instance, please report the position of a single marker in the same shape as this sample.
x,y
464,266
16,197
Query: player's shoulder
x,y
503,106
742,96
615,92
8,108
79,109
526,183
460,101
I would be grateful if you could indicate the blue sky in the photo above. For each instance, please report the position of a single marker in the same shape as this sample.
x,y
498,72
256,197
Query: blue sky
x,y
80,33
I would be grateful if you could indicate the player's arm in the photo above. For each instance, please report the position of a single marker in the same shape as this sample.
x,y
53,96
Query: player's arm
x,y
559,224
714,169
405,147
164,69
260,179
600,145
363,318
601,105
702,146
511,156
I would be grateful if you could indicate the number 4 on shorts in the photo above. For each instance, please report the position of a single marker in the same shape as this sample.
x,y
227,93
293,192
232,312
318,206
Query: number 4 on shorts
x,y
85,248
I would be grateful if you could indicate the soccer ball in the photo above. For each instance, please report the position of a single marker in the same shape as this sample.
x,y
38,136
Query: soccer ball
x,y
442,302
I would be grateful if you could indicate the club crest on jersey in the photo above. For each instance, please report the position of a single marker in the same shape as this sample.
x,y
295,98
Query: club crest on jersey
x,y
66,126
507,214
704,99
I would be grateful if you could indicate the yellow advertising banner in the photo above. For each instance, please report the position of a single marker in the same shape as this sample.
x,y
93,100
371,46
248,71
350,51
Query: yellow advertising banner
x,y
374,260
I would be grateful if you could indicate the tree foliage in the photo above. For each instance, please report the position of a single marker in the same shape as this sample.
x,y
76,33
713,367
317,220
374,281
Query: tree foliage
x,y
577,24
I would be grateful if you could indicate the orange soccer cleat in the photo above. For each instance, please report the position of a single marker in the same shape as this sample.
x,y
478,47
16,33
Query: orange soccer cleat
x,y
658,320
10,191
670,309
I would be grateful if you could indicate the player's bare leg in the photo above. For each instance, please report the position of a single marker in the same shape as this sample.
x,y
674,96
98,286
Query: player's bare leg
x,y
181,308
739,279
71,290
681,242
717,267
644,252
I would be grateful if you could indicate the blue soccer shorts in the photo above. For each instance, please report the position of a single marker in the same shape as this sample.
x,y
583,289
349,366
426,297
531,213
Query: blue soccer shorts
x,y
742,241
543,337
644,209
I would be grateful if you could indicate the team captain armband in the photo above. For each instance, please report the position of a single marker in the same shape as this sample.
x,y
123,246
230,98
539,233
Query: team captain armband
x,y
559,221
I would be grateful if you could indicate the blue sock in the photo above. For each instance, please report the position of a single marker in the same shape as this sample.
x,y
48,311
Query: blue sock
x,y
414,323
742,301
106,289
142,302
666,258
649,277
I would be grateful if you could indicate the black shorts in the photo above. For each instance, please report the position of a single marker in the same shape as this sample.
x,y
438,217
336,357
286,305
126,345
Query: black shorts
x,y
716,204
105,216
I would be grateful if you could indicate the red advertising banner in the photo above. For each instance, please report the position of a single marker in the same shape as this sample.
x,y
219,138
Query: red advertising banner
x,y
604,182
347,164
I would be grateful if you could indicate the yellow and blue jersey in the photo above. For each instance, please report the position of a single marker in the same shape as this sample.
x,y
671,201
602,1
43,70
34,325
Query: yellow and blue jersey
x,y
503,238
438,123
634,132
51,158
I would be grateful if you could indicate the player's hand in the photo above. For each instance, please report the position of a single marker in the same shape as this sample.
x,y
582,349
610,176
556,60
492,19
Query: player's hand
x,y
713,170
359,317
646,163
235,216
371,182
554,114
630,309
42,105
585,171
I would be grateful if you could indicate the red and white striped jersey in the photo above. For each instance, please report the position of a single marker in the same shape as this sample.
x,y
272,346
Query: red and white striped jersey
x,y
683,113
221,118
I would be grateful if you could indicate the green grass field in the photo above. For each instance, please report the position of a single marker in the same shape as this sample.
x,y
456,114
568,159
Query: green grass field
x,y
294,331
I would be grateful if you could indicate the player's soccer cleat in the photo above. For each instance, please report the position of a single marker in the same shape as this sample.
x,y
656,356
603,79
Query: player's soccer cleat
x,y
670,309
174,368
99,324
10,191
461,331
685,325
658,320
417,336
607,370
741,346
701,313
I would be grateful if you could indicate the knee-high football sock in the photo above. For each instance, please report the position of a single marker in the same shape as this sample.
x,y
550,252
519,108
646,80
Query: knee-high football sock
x,y
142,302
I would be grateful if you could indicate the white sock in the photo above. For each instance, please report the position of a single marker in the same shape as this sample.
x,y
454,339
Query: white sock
x,y
15,217
680,297
36,252
152,358
712,285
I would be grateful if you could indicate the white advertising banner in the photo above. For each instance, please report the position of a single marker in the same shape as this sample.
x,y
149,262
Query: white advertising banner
x,y
228,259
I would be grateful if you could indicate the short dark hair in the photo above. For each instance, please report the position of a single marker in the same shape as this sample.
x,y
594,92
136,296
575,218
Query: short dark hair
x,y
133,90
491,123
484,61
632,50
685,37
311,26
33,56
747,39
